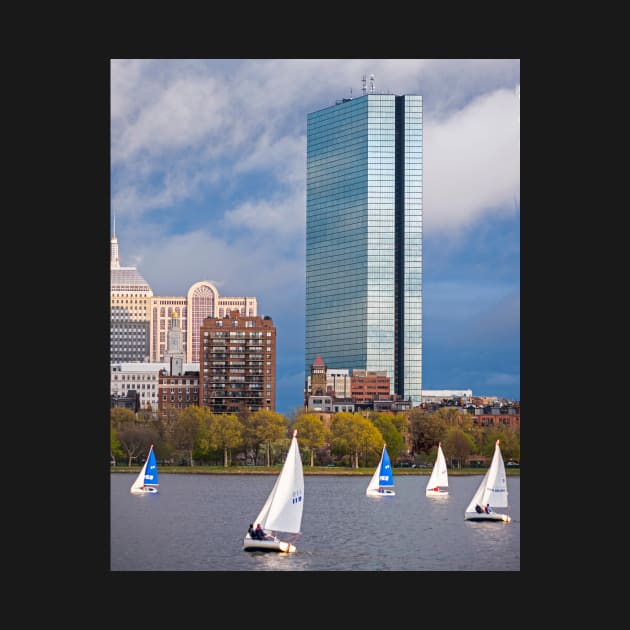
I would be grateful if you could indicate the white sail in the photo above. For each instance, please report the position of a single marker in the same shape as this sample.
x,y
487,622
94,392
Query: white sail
x,y
373,485
496,492
262,515
478,496
439,474
282,511
493,486
139,482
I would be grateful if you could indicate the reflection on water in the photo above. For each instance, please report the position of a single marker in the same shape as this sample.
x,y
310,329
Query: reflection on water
x,y
197,523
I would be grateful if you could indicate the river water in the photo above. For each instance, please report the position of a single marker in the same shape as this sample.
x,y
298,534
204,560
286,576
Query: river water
x,y
197,523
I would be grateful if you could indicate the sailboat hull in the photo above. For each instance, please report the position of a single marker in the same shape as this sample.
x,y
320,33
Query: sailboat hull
x,y
493,516
432,492
381,493
146,490
251,544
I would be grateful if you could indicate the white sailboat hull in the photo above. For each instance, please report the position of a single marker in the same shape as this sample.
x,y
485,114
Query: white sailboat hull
x,y
146,490
255,544
384,492
493,516
432,492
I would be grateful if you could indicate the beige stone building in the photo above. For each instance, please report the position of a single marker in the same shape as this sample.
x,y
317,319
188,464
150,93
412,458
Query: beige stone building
x,y
140,321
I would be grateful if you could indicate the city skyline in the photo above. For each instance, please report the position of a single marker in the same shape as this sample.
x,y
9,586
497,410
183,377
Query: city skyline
x,y
208,179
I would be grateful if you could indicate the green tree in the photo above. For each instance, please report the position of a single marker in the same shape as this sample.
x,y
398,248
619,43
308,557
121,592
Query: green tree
x,y
453,417
119,416
384,422
189,430
354,434
251,441
146,416
115,448
508,442
135,439
311,433
511,444
226,433
268,426
458,445
427,429
401,422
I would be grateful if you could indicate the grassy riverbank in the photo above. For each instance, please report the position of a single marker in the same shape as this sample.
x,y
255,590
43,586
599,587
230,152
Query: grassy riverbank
x,y
308,470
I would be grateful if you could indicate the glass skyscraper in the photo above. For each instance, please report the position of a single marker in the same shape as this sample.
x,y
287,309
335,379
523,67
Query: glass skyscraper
x,y
364,238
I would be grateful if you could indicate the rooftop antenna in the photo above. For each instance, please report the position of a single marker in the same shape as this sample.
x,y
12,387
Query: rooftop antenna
x,y
371,84
364,88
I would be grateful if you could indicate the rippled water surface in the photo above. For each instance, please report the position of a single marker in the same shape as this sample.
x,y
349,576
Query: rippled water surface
x,y
197,523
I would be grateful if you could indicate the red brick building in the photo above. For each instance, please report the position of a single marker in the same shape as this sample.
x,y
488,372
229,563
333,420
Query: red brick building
x,y
237,365
176,392
366,386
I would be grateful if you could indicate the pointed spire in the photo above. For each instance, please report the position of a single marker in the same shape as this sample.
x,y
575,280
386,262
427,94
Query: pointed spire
x,y
114,259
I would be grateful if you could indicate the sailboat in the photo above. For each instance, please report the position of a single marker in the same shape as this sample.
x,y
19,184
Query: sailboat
x,y
437,486
147,480
282,511
492,493
382,481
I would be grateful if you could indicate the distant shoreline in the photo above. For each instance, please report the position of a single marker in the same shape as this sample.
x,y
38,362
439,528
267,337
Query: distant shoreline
x,y
308,471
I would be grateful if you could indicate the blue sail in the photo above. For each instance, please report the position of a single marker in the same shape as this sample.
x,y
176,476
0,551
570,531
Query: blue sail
x,y
151,472
385,478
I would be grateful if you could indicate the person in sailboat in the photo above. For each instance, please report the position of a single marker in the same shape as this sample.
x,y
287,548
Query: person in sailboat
x,y
260,533
488,509
250,531
478,509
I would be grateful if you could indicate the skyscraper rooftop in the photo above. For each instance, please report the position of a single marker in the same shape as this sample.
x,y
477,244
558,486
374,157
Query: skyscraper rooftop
x,y
125,279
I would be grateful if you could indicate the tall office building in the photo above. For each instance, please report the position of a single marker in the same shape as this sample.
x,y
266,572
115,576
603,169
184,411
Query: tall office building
x,y
364,238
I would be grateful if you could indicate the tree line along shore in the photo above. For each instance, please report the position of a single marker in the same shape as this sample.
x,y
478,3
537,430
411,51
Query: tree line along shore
x,y
308,470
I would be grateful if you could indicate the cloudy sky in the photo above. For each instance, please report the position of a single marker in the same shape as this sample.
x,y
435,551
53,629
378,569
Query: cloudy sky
x,y
208,182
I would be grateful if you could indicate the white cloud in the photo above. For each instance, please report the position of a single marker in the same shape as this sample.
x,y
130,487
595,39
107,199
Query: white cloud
x,y
282,216
285,157
472,163
198,120
171,264
182,115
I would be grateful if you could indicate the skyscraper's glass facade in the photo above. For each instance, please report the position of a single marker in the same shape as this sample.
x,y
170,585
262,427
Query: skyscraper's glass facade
x,y
364,238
